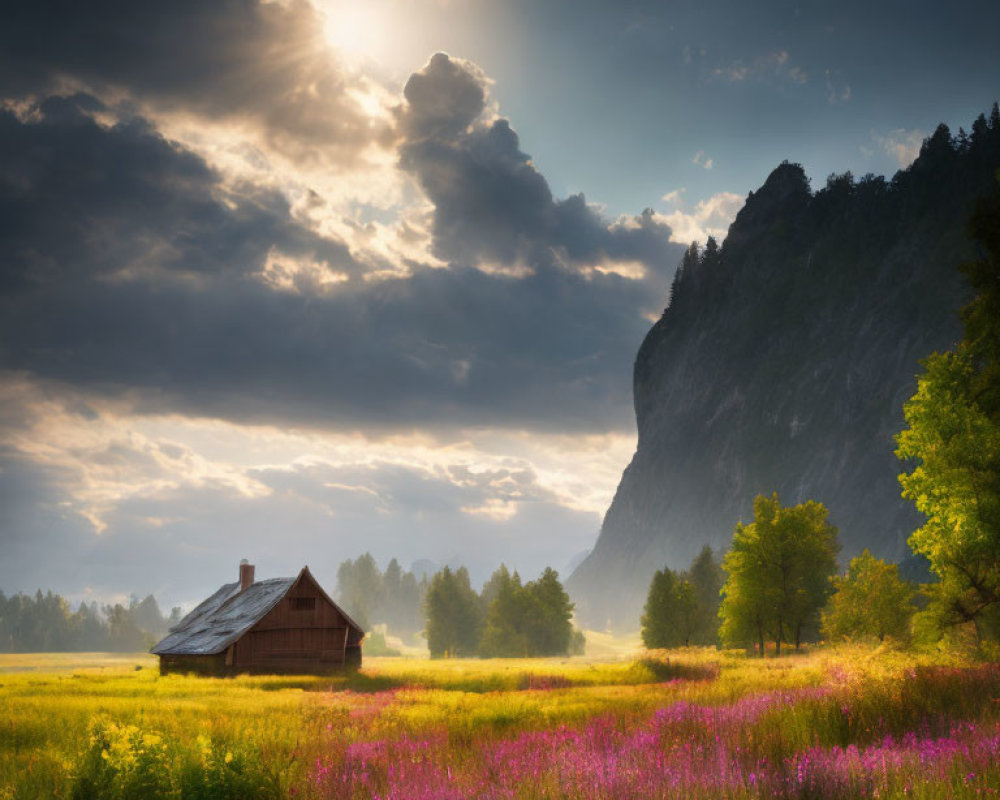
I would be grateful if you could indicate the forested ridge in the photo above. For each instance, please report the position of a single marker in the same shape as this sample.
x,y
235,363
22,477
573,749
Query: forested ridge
x,y
782,362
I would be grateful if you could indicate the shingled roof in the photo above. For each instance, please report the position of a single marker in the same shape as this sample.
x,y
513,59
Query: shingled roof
x,y
223,618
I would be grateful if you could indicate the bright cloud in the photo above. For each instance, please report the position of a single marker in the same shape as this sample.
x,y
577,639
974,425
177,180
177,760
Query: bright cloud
x,y
903,145
709,217
128,476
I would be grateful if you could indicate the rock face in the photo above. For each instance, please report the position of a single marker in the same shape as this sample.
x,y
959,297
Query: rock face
x,y
782,364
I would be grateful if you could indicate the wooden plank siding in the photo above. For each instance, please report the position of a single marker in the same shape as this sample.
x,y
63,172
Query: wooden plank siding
x,y
298,630
304,632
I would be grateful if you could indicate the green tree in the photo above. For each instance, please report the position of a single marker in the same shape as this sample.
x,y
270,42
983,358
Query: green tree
x,y
777,573
359,589
550,623
683,608
453,614
706,576
953,443
506,608
500,578
870,599
533,619
670,615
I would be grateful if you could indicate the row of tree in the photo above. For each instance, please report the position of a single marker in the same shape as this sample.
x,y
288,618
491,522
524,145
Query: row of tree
x,y
47,623
778,583
508,618
683,607
780,573
394,597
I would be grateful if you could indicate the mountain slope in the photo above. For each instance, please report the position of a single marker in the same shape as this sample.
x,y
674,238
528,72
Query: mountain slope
x,y
783,361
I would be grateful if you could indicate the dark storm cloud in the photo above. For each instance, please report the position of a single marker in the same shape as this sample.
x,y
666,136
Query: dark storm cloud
x,y
80,202
263,63
490,203
128,266
443,99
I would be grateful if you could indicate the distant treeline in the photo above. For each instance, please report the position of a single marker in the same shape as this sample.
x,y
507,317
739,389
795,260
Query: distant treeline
x,y
47,623
507,618
394,598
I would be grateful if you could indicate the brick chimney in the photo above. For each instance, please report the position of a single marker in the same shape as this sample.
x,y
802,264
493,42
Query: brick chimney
x,y
246,575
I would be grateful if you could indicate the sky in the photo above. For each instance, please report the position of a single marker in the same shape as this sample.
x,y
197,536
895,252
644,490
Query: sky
x,y
291,281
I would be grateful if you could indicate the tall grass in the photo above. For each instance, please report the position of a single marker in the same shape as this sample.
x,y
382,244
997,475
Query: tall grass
x,y
698,723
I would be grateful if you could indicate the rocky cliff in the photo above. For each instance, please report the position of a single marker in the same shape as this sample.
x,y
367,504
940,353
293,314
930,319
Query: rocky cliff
x,y
782,363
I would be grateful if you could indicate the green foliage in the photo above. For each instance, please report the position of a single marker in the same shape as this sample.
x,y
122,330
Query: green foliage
x,y
683,608
954,439
706,577
225,771
453,614
125,762
122,762
668,619
45,623
550,629
778,573
504,633
869,600
533,619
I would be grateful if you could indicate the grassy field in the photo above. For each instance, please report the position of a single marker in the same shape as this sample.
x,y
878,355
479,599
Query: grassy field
x,y
841,723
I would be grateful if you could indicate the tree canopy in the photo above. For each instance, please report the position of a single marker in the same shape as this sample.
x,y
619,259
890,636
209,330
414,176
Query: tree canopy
x,y
952,443
683,608
777,573
453,614
669,617
45,623
508,619
870,599
533,619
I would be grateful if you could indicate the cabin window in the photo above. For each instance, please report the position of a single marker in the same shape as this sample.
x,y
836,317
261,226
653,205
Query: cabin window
x,y
303,604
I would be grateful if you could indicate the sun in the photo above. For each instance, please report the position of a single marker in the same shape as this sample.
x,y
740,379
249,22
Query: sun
x,y
357,28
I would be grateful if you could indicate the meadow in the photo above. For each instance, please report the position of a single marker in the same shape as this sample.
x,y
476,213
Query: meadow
x,y
697,723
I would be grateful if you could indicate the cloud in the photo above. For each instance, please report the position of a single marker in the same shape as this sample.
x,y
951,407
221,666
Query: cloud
x,y
700,159
902,145
443,99
132,265
83,201
773,66
200,345
491,206
257,65
177,500
709,217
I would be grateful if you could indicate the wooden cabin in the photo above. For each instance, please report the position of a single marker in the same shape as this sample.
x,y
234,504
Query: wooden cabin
x,y
279,625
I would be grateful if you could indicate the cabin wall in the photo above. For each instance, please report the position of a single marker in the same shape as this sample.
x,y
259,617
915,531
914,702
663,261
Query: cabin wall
x,y
200,665
304,633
